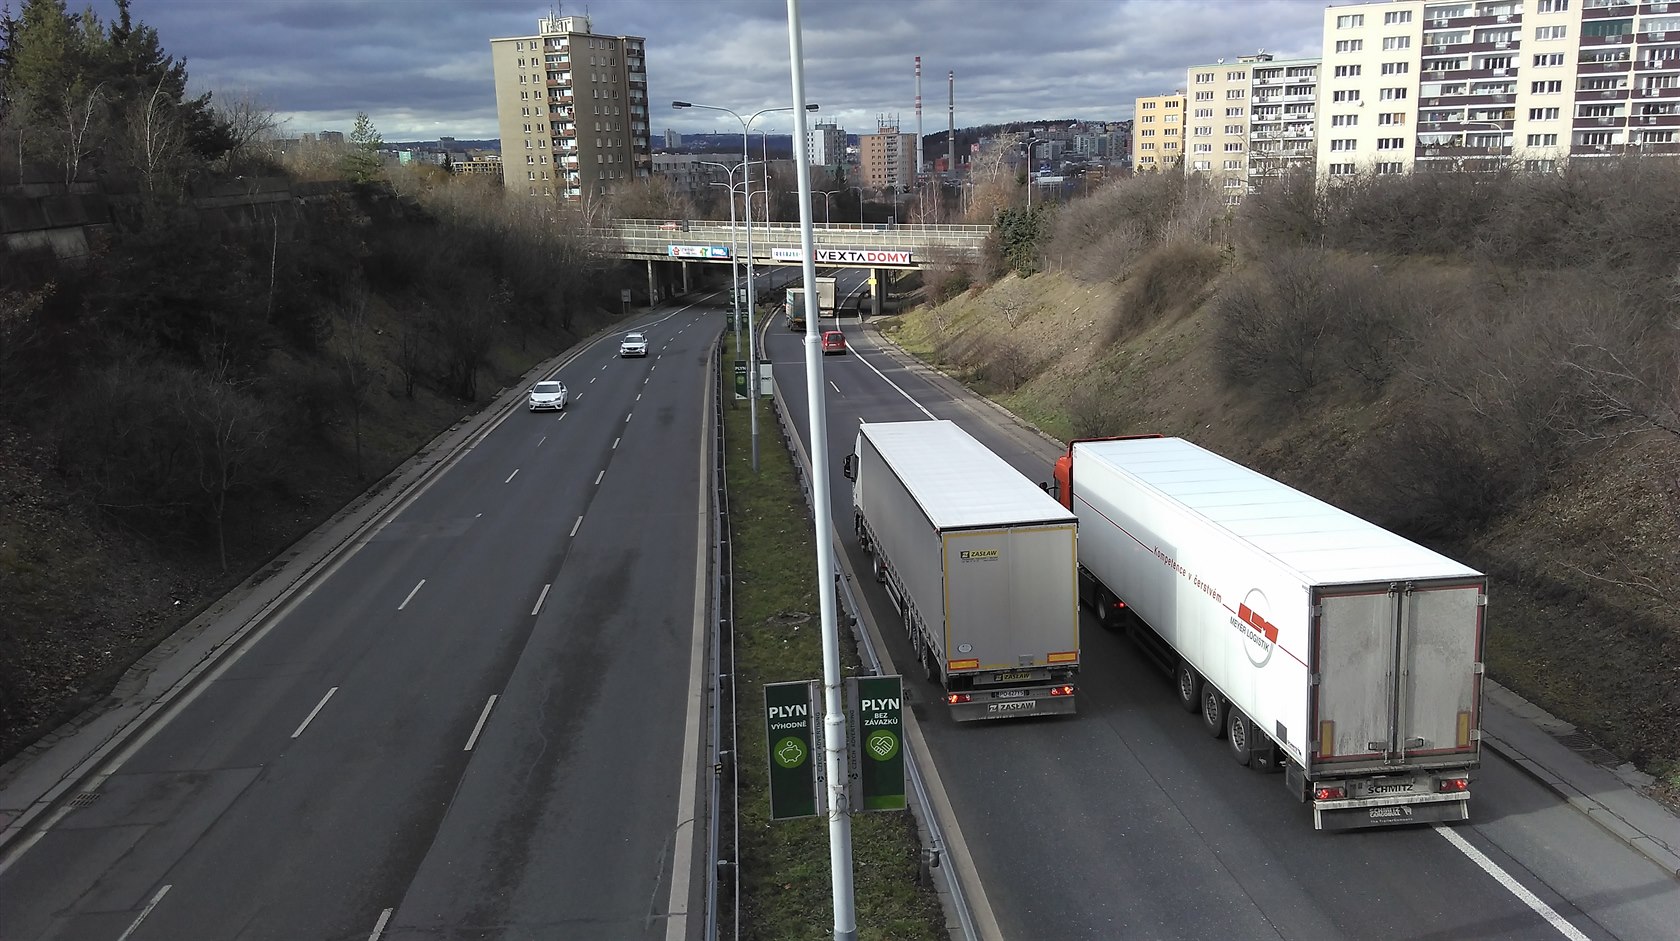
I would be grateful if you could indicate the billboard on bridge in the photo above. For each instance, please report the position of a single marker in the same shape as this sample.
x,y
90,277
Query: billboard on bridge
x,y
699,251
845,256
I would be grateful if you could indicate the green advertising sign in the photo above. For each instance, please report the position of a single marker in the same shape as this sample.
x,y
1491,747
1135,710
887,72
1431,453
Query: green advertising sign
x,y
878,743
740,378
790,724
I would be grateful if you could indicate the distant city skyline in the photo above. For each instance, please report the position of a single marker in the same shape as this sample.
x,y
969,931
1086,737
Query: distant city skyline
x,y
421,68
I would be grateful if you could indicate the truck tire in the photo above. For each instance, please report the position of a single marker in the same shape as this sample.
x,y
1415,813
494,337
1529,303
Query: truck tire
x,y
1106,615
1189,687
928,671
1214,709
1241,736
878,568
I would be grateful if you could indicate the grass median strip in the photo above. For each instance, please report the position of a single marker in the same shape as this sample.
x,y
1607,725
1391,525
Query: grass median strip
x,y
785,880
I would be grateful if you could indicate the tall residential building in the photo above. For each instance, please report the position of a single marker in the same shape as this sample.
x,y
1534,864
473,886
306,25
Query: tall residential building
x,y
825,144
1216,130
1283,117
1414,84
573,109
1158,133
887,158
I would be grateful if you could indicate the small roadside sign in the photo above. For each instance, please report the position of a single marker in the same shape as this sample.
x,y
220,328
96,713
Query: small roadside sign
x,y
790,735
877,742
741,379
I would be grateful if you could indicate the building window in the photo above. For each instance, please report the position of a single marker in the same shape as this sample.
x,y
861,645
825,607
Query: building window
x,y
1347,71
1548,60
1396,68
1397,42
1349,94
1234,112
1342,144
1341,169
1403,16
1550,32
1553,6
1391,143
1391,168
1393,94
1392,118
1542,140
1344,120
1349,45
1542,114
1352,21
1204,78
1546,88
1233,147
1235,76
1204,112
1204,96
1233,128
1597,139
1202,149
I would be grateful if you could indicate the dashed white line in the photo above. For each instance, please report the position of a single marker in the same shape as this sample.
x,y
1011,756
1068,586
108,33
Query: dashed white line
x,y
314,712
144,912
511,476
411,595
598,477
638,396
482,718
603,366
379,926
1511,885
615,443
540,599
563,414
835,387
627,418
575,528
541,440
593,378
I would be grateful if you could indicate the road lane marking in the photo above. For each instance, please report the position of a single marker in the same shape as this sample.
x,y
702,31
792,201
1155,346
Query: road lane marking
x,y
598,477
379,926
1511,885
541,440
627,417
638,396
482,718
411,595
603,366
144,912
314,712
894,385
575,528
833,386
593,378
563,414
511,476
540,599
615,443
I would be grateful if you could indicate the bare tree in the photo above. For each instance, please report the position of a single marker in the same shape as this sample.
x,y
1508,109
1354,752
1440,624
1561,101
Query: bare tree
x,y
250,125
79,128
154,138
354,372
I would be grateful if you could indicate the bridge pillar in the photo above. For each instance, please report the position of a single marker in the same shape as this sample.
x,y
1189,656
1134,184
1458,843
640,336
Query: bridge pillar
x,y
653,286
879,276
685,289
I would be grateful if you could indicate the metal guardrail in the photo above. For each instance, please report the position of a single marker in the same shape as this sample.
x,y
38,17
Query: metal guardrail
x,y
653,240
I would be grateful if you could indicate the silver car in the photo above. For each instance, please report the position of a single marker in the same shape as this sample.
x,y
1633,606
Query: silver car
x,y
633,344
548,394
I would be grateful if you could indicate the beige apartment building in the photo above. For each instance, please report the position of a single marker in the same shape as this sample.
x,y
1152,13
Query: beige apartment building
x,y
1216,123
887,158
1282,116
1412,84
572,108
1158,133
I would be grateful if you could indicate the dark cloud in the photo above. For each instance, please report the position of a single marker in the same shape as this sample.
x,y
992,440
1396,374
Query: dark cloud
x,y
421,68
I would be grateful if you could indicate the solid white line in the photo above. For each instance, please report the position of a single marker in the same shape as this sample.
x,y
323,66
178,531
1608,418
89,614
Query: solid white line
x,y
598,478
411,595
892,383
144,912
1511,885
541,598
379,926
511,476
575,528
314,712
615,443
482,718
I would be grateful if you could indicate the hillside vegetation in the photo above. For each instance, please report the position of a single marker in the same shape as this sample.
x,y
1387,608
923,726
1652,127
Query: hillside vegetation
x,y
1486,363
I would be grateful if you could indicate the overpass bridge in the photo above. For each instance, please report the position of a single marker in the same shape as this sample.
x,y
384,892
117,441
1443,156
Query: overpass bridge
x,y
878,247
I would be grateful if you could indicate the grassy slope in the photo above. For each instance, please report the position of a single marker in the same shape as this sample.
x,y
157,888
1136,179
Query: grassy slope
x,y
1577,620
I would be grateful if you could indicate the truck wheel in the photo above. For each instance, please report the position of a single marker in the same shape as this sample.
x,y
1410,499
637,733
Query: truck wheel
x,y
1240,735
878,568
1189,688
1214,708
1105,610
928,670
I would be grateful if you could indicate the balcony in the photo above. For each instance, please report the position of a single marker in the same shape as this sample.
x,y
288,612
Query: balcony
x,y
1598,123
1588,42
1602,68
1655,120
1657,65
1663,148
1649,8
1608,94
1607,12
1648,93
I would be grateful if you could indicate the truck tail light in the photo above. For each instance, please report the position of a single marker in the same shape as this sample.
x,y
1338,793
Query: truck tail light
x,y
955,698
1331,793
1452,785
1062,690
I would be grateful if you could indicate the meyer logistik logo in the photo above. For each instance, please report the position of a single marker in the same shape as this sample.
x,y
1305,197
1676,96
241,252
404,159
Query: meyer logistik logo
x,y
1251,620
979,555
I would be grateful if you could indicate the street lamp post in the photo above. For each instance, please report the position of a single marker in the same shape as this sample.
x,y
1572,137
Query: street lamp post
x,y
1031,143
752,346
826,195
734,247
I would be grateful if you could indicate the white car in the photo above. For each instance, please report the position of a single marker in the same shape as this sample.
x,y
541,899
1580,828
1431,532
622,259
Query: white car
x,y
633,344
548,394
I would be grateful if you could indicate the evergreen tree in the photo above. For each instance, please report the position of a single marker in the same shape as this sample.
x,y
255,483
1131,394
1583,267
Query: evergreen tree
x,y
361,162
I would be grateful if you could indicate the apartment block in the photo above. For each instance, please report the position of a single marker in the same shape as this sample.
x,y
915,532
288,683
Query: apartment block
x,y
1158,133
825,145
572,108
887,158
1216,127
1283,116
1413,84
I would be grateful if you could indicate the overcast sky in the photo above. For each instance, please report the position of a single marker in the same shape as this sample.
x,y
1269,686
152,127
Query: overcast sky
x,y
421,68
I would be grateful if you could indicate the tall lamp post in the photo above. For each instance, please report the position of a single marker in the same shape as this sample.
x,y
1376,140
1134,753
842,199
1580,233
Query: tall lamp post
x,y
734,247
826,195
1031,143
752,346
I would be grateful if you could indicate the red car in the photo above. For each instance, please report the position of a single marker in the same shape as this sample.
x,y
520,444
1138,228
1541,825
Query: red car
x,y
833,341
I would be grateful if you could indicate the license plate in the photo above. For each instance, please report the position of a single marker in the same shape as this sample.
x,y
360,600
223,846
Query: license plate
x,y
1012,675
1010,694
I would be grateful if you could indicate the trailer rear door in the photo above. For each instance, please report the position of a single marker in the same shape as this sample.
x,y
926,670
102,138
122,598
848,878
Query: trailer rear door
x,y
1398,673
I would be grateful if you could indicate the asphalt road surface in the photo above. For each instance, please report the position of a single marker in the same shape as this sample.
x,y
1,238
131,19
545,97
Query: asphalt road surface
x,y
1129,821
475,727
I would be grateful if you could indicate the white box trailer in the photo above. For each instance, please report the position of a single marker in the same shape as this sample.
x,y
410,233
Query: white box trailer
x,y
980,562
1318,643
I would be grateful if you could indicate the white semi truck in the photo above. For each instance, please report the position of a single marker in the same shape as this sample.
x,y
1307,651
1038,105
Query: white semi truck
x,y
979,561
795,303
1315,642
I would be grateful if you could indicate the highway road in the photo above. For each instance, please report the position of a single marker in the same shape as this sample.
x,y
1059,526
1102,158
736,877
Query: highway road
x,y
481,723
1129,821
